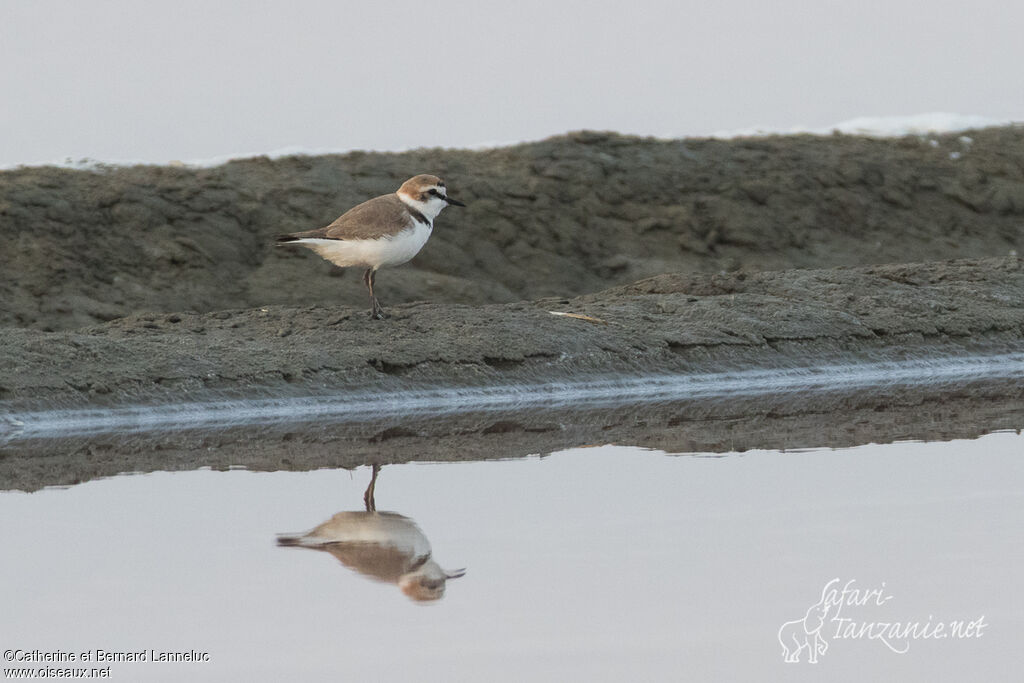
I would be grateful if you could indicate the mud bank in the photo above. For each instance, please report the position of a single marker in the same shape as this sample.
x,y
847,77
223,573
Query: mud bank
x,y
667,324
562,217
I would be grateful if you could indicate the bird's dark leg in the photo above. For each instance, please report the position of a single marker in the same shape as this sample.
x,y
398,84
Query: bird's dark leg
x,y
368,500
376,310
369,287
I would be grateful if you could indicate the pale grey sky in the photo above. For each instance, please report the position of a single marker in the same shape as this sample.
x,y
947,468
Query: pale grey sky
x,y
183,80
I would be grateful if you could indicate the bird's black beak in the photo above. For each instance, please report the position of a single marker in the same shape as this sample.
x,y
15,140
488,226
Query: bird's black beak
x,y
453,202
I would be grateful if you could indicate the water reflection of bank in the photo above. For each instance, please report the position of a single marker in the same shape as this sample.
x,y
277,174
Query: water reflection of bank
x,y
770,423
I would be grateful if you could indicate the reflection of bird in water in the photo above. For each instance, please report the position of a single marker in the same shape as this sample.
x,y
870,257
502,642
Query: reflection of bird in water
x,y
384,546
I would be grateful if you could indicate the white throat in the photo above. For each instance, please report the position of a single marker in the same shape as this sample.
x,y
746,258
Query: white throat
x,y
430,208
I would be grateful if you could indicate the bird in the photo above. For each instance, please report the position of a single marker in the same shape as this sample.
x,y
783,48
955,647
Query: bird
x,y
384,231
383,546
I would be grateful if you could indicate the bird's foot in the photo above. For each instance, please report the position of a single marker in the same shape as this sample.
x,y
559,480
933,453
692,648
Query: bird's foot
x,y
376,310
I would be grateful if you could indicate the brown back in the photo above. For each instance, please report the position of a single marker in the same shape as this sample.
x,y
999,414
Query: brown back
x,y
373,219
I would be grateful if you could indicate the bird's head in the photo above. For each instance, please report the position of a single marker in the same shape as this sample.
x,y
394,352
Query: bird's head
x,y
427,583
427,194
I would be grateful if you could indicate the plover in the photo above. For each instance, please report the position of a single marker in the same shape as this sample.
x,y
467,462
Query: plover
x,y
383,546
384,231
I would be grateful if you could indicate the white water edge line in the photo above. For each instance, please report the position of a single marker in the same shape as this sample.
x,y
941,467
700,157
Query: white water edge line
x,y
576,394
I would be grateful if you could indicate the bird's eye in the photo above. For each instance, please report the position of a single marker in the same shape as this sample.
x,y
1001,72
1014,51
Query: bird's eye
x,y
432,191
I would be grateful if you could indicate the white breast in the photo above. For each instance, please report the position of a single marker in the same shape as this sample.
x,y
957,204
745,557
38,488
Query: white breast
x,y
387,251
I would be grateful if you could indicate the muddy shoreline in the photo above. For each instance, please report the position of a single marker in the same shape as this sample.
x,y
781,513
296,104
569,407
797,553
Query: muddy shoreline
x,y
586,255
562,217
667,324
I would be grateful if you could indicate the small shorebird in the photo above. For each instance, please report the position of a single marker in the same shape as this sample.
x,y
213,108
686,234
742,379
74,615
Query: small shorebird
x,y
383,546
384,231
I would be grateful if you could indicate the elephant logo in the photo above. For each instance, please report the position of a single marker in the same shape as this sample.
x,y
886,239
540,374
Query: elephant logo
x,y
805,634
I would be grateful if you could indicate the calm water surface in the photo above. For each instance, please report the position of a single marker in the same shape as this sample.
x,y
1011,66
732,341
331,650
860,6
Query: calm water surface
x,y
604,563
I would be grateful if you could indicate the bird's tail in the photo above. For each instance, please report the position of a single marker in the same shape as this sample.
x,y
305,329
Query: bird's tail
x,y
286,239
289,539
